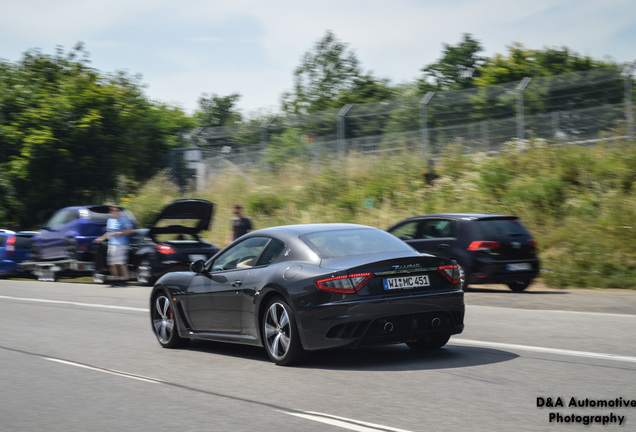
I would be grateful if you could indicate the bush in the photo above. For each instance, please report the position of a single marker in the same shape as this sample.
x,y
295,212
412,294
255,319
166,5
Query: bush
x,y
579,202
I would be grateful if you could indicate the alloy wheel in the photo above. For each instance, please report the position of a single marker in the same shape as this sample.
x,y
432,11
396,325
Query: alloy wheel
x,y
277,331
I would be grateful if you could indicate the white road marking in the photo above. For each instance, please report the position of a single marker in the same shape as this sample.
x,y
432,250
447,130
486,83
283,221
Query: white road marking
x,y
543,350
108,371
93,305
469,342
342,422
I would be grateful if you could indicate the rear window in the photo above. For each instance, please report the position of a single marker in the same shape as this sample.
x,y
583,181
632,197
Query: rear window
x,y
508,227
22,242
341,243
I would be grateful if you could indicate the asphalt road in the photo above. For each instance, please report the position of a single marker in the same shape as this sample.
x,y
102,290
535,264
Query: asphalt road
x,y
82,357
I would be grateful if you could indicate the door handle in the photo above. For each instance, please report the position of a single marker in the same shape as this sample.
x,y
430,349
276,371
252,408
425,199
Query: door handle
x,y
237,283
443,246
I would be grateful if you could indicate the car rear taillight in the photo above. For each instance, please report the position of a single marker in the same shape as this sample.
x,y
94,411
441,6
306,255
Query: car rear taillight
x,y
10,245
165,249
346,284
450,272
532,242
481,245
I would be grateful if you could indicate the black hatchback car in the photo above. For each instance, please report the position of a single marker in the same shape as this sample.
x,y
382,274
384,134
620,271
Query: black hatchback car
x,y
489,248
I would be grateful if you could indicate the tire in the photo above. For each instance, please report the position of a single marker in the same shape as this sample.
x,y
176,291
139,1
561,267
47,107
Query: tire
x,y
280,333
144,272
429,342
164,325
519,286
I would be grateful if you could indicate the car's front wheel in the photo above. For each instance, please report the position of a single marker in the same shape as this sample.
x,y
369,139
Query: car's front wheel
x,y
163,315
280,333
519,286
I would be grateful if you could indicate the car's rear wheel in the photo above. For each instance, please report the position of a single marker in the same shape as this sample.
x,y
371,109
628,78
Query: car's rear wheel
x,y
144,272
519,286
429,342
280,333
164,325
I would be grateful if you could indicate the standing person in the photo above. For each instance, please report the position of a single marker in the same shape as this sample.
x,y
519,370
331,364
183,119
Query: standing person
x,y
117,230
241,224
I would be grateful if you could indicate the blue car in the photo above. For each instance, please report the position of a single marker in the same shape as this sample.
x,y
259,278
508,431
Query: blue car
x,y
14,248
70,232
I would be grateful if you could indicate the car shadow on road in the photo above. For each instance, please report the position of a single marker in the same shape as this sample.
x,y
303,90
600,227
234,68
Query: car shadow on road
x,y
402,358
397,357
510,292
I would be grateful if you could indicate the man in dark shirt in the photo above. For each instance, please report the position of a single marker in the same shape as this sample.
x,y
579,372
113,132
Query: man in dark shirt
x,y
241,224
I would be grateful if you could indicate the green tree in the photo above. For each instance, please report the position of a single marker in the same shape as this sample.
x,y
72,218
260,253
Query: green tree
x,y
70,134
325,75
217,110
457,69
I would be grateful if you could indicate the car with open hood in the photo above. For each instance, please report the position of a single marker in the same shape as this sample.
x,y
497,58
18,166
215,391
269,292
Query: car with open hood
x,y
170,243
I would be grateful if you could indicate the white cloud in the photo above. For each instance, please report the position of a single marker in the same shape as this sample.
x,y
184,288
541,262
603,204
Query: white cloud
x,y
186,48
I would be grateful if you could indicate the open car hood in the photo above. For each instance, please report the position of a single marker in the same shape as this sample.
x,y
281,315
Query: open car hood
x,y
187,216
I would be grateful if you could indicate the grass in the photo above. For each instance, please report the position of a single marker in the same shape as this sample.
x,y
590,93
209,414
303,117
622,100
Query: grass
x,y
578,201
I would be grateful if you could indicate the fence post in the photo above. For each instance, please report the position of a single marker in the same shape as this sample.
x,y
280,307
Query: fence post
x,y
520,117
341,127
265,131
424,123
629,111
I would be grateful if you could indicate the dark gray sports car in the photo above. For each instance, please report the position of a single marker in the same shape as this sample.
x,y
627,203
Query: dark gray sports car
x,y
310,287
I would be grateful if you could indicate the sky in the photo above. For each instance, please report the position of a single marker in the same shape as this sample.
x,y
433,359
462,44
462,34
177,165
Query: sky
x,y
186,49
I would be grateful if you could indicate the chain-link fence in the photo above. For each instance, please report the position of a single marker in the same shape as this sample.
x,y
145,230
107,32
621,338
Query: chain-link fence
x,y
571,108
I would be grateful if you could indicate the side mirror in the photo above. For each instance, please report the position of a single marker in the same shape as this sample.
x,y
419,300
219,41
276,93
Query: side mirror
x,y
197,266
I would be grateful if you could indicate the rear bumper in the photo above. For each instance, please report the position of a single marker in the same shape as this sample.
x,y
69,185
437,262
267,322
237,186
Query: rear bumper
x,y
482,272
381,321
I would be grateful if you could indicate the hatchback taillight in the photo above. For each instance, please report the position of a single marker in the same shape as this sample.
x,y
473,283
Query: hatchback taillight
x,y
532,242
345,284
481,245
165,249
10,245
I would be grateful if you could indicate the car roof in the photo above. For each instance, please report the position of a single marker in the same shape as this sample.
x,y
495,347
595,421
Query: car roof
x,y
301,229
463,216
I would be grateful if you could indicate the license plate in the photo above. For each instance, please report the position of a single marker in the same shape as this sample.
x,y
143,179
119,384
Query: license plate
x,y
196,257
406,282
519,267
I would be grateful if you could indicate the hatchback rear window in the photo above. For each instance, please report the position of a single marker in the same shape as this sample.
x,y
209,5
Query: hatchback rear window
x,y
22,242
503,227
